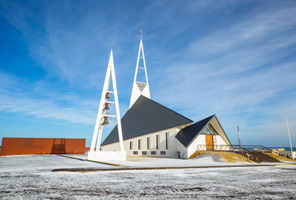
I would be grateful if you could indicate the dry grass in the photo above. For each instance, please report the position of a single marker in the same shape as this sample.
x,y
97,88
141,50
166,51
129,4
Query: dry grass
x,y
280,158
228,157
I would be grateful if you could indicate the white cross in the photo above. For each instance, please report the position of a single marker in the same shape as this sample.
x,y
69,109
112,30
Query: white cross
x,y
141,31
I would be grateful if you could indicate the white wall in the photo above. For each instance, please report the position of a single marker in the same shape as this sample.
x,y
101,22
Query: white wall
x,y
219,143
199,140
173,144
219,140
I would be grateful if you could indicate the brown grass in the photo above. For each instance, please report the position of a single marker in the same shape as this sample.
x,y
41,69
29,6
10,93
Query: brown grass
x,y
280,158
228,157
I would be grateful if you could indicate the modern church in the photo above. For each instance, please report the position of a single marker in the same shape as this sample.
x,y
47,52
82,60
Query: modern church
x,y
151,129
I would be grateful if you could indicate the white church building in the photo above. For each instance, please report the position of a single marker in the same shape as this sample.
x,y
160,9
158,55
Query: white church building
x,y
151,129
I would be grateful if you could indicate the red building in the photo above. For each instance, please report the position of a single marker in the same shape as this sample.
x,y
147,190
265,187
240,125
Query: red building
x,y
20,146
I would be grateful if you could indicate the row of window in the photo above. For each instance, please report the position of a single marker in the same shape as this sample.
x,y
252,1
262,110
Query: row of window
x,y
146,152
148,142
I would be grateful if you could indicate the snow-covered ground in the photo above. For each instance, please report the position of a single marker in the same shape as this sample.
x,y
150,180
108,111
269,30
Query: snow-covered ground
x,y
154,162
30,177
43,162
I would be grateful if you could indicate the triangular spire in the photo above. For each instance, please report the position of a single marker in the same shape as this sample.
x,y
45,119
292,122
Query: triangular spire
x,y
140,88
102,116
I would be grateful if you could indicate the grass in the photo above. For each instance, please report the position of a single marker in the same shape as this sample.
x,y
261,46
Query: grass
x,y
280,158
228,157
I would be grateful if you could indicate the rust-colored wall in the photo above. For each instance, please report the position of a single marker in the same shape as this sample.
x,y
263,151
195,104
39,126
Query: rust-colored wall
x,y
19,146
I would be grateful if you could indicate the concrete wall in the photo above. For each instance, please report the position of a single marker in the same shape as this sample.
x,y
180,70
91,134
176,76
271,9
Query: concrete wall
x,y
20,146
173,144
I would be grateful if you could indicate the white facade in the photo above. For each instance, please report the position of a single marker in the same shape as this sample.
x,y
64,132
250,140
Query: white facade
x,y
199,144
160,144
165,144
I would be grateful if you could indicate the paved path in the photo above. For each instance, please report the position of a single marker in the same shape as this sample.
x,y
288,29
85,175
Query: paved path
x,y
164,168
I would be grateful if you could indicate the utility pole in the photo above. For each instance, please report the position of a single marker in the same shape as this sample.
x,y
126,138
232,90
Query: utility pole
x,y
289,136
239,140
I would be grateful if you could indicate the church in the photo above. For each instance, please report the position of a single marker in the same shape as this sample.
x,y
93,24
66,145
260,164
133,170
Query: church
x,y
151,129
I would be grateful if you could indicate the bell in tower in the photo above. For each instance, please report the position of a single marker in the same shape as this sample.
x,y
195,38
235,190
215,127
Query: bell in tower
x,y
107,96
105,121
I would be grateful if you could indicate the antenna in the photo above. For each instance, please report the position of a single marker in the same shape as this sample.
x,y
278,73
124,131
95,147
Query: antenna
x,y
140,88
102,116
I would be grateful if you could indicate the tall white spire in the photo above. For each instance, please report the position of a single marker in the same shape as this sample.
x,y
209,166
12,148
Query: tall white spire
x,y
103,117
140,88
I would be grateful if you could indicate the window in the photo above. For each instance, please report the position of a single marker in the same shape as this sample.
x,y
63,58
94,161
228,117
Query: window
x,y
139,144
157,139
162,153
166,140
209,130
135,153
131,145
153,152
148,143
144,152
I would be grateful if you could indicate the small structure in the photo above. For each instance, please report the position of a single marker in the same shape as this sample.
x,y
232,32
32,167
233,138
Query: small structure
x,y
96,152
21,146
151,129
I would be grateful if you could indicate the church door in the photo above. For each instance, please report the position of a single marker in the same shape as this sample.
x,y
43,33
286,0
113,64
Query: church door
x,y
209,142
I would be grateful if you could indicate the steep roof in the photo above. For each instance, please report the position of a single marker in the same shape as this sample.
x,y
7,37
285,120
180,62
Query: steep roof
x,y
146,116
187,134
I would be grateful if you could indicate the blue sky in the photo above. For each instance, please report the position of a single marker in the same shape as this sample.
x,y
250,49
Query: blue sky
x,y
235,59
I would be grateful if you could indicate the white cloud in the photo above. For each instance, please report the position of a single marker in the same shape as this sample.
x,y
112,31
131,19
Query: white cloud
x,y
241,69
16,97
240,72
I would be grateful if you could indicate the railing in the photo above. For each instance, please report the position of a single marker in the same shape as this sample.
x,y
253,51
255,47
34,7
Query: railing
x,y
260,148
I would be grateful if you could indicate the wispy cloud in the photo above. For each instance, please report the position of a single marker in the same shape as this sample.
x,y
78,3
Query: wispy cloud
x,y
240,72
17,98
232,58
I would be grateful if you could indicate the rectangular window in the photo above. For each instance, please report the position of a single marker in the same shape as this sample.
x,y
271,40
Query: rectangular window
x,y
157,139
153,152
148,143
162,153
166,140
135,153
131,145
144,152
139,144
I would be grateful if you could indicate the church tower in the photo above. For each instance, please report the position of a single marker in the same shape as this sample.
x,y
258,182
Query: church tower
x,y
140,87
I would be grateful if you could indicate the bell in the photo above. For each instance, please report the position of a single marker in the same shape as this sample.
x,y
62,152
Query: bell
x,y
105,121
106,106
107,95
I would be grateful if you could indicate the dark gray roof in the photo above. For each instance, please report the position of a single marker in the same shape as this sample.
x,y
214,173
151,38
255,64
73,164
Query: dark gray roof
x,y
146,116
187,134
